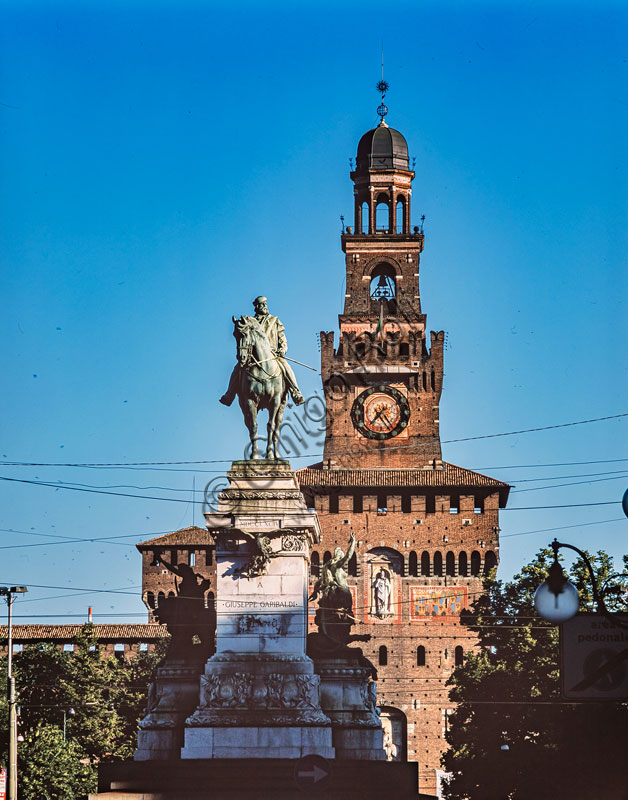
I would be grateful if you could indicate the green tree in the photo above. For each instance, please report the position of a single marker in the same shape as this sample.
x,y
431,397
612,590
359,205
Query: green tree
x,y
103,699
51,769
511,735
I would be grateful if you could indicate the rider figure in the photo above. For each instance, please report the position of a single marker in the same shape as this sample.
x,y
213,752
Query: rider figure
x,y
274,330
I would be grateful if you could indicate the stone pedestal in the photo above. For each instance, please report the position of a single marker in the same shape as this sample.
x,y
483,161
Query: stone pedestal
x,y
349,698
173,695
259,695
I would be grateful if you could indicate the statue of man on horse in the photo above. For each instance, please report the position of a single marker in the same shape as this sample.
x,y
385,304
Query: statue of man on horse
x,y
262,378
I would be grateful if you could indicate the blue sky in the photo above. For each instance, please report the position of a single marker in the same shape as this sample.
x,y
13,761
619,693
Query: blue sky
x,y
163,164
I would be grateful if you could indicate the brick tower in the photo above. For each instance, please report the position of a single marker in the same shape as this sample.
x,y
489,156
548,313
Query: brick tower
x,y
426,530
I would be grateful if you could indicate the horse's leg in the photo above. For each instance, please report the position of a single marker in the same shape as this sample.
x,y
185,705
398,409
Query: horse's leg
x,y
249,409
276,408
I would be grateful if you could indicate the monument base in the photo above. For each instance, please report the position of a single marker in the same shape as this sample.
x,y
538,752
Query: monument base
x,y
248,742
255,779
173,695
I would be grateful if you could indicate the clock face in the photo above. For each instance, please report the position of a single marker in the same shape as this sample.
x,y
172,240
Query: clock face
x,y
380,412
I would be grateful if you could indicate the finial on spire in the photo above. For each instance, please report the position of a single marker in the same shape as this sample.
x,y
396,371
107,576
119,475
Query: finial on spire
x,y
382,87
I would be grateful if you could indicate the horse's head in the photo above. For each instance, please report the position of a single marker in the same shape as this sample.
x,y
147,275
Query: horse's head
x,y
245,330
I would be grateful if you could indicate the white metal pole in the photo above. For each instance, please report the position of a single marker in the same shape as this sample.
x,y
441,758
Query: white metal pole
x,y
12,776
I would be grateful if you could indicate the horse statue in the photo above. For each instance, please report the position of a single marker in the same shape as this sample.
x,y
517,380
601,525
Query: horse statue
x,y
260,382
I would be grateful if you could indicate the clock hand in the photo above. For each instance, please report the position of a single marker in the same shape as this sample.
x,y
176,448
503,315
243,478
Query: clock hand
x,y
379,413
387,421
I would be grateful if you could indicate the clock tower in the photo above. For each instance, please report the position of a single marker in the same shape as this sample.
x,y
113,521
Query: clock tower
x,y
425,530
383,381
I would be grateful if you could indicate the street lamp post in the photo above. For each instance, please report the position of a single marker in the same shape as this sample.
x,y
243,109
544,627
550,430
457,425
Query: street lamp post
x,y
71,712
556,599
9,593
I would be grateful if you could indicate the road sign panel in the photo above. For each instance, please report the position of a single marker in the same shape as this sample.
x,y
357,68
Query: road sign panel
x,y
594,658
312,772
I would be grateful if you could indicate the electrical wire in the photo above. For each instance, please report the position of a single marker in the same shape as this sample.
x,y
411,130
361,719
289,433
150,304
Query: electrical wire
x,y
203,502
313,455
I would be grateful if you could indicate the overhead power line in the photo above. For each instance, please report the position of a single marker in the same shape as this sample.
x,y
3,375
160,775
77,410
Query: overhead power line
x,y
310,455
201,502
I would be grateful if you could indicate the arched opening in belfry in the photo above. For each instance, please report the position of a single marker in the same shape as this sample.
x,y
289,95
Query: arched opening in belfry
x,y
383,289
490,561
382,214
400,215
365,218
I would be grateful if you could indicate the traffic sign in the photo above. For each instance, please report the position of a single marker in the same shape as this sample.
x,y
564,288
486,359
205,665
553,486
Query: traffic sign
x,y
594,658
312,773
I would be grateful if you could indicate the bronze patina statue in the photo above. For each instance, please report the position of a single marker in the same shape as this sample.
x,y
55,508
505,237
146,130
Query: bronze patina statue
x,y
186,615
262,377
334,615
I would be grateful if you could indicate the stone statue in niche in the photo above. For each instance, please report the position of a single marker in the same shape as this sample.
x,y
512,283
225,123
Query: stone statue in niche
x,y
382,587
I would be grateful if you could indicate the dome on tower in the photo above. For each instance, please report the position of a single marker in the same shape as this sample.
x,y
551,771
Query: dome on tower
x,y
382,148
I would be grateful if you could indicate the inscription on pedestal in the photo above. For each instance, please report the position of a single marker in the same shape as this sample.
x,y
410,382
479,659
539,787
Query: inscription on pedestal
x,y
255,605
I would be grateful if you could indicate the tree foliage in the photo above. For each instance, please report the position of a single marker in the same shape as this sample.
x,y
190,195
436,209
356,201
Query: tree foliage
x,y
101,697
511,736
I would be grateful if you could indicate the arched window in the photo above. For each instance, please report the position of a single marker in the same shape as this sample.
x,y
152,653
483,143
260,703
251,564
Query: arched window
x,y
438,564
432,380
365,218
160,598
412,565
425,564
150,599
383,655
490,561
352,566
458,656
400,213
476,563
326,556
315,564
420,656
425,381
210,600
171,594
463,565
382,214
450,564
382,286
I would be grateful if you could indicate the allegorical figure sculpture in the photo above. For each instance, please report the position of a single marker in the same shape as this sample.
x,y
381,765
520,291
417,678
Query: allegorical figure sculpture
x,y
185,615
261,378
334,616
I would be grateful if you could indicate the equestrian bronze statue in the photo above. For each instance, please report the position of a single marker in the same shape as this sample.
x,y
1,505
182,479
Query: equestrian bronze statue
x,y
262,378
